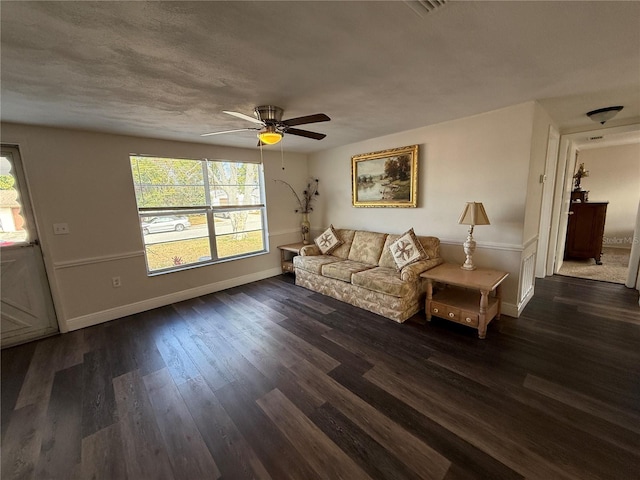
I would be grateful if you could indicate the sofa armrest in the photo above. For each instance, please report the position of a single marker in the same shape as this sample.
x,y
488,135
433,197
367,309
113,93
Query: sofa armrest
x,y
310,250
412,272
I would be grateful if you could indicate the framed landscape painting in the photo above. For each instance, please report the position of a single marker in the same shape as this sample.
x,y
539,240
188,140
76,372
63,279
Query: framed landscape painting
x,y
388,178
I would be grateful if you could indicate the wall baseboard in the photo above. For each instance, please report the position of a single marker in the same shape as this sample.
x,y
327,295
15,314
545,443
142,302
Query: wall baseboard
x,y
102,316
510,310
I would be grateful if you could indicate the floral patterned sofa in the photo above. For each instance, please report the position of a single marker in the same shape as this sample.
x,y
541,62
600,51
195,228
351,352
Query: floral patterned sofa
x,y
362,271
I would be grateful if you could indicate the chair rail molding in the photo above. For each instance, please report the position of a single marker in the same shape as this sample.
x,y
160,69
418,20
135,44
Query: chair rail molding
x,y
80,262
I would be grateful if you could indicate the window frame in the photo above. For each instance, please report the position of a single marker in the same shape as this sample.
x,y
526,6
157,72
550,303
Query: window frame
x,y
209,209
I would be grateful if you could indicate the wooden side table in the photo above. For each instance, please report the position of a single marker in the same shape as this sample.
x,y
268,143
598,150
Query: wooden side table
x,y
468,301
286,260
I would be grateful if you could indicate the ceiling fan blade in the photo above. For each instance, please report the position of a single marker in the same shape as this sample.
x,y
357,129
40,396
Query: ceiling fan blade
x,y
227,131
315,118
244,117
305,133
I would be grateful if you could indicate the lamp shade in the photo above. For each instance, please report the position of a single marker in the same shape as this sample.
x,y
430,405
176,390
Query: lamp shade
x,y
474,214
269,136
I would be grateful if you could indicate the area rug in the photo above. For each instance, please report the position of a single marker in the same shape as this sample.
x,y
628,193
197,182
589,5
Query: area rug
x,y
614,268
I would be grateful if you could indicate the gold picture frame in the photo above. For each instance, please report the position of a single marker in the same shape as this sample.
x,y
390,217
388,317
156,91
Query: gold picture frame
x,y
388,178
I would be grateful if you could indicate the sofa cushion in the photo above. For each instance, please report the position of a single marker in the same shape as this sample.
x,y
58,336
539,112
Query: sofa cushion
x,y
383,280
328,241
367,247
313,263
346,236
431,246
386,259
343,270
407,249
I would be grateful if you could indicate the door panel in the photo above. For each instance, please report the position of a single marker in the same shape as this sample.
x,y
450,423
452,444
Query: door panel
x,y
26,312
26,307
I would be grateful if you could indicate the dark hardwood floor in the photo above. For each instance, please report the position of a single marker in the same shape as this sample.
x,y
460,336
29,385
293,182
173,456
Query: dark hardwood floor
x,y
269,380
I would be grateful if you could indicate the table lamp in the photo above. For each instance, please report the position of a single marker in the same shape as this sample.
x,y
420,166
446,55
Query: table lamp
x,y
472,215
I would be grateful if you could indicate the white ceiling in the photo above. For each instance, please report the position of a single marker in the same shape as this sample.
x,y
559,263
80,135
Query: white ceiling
x,y
168,69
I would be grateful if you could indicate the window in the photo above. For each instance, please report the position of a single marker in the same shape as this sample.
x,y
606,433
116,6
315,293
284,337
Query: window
x,y
13,228
196,212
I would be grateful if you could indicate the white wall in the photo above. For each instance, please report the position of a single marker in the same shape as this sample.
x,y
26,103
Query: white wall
x,y
485,158
84,179
614,176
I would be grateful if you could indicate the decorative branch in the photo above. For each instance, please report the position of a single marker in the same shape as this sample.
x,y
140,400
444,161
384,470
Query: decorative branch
x,y
581,173
305,202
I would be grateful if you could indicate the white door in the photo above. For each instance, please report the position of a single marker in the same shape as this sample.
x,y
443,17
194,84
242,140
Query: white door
x,y
26,308
546,208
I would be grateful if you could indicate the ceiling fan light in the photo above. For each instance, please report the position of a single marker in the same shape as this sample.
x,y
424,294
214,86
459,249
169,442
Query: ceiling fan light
x,y
269,136
603,115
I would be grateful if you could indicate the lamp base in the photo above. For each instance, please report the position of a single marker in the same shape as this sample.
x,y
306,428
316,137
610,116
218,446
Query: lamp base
x,y
469,247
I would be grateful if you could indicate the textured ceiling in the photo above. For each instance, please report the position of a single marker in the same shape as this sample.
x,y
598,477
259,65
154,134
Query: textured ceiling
x,y
168,69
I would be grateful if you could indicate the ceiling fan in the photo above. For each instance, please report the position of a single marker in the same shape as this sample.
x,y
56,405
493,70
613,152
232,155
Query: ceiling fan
x,y
272,128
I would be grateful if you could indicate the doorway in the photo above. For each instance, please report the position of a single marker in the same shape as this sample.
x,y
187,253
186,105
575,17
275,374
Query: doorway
x,y
612,187
26,306
570,145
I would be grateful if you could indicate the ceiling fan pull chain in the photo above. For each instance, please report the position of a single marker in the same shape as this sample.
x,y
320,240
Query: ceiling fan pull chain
x,y
282,154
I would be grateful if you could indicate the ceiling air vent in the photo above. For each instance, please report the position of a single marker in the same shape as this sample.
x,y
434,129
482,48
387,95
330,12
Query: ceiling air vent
x,y
599,137
425,6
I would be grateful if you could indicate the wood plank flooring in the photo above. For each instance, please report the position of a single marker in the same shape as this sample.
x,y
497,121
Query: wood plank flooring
x,y
272,381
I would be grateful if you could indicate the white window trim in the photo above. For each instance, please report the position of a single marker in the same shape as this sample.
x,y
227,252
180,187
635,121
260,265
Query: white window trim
x,y
210,210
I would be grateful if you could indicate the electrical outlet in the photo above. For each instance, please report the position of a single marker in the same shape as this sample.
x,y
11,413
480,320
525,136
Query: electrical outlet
x,y
61,228
116,282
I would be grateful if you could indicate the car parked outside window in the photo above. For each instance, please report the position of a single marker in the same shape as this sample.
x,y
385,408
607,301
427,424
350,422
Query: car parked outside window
x,y
165,223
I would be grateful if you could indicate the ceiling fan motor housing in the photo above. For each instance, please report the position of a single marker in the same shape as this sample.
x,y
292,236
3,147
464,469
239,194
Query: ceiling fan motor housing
x,y
269,114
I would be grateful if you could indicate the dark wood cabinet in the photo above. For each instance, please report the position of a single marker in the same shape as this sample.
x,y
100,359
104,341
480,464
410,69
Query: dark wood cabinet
x,y
585,230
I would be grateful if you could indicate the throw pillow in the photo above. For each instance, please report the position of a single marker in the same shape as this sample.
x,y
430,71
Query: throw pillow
x,y
407,250
328,241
